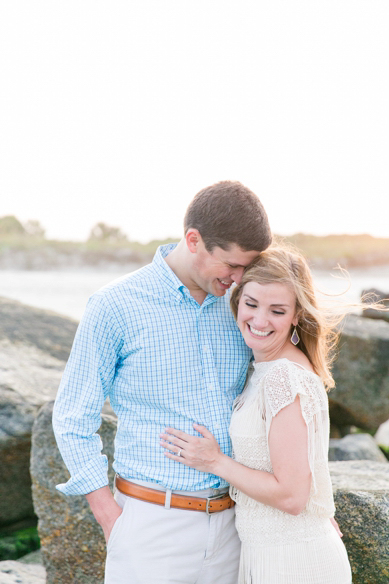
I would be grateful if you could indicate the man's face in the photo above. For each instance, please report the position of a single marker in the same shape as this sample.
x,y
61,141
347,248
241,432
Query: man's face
x,y
215,271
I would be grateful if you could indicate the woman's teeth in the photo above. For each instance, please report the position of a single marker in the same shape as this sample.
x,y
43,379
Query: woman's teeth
x,y
259,333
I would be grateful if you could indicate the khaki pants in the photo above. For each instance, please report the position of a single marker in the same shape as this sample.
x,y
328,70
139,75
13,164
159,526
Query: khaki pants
x,y
150,544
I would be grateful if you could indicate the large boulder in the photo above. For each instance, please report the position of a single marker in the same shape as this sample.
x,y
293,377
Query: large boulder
x,y
361,373
25,325
73,546
361,492
355,447
33,347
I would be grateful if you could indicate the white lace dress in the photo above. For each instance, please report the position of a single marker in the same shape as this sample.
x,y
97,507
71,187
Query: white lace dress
x,y
279,548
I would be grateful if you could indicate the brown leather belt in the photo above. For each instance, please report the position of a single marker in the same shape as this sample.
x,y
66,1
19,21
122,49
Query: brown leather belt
x,y
209,505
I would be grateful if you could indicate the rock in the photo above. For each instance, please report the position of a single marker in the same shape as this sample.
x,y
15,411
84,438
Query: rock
x,y
355,447
28,377
382,434
379,296
32,558
361,373
24,325
72,543
361,492
33,346
12,572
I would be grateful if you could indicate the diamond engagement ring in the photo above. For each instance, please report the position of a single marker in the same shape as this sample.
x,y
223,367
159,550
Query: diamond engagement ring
x,y
179,452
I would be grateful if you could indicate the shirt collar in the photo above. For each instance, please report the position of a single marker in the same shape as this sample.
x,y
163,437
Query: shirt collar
x,y
165,272
176,287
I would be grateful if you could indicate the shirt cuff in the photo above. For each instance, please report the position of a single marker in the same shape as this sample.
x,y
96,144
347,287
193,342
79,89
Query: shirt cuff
x,y
92,477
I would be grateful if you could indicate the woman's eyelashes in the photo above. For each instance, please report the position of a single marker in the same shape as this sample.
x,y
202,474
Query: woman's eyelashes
x,y
255,306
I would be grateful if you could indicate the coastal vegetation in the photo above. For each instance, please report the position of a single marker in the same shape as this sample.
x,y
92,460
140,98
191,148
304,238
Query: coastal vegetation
x,y
25,246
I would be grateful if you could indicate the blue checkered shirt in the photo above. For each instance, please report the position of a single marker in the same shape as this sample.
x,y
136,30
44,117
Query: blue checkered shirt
x,y
163,360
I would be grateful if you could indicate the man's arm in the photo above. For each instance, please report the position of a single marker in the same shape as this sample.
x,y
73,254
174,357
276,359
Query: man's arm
x,y
86,382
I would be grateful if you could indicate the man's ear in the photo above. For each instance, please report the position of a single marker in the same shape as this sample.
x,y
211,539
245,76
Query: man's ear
x,y
193,238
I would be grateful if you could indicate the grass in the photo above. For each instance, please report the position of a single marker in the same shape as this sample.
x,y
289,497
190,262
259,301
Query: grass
x,y
19,543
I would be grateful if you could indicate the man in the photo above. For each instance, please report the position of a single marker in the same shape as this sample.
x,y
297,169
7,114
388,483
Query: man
x,y
163,345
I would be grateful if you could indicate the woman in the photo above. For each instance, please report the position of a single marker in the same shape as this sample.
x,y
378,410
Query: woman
x,y
279,429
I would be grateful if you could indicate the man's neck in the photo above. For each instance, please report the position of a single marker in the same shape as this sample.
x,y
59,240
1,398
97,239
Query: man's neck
x,y
178,261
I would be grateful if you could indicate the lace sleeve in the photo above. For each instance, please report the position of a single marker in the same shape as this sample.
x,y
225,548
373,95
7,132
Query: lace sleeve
x,y
285,381
280,388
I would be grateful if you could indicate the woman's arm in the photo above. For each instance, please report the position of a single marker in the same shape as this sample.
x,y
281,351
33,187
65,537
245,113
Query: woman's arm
x,y
287,489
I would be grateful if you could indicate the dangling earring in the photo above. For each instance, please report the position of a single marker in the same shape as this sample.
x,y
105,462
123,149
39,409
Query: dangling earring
x,y
295,339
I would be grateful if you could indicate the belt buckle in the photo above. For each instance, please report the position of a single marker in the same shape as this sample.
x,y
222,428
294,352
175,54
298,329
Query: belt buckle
x,y
213,498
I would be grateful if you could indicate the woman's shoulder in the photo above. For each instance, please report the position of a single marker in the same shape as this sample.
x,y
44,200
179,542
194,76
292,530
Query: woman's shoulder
x,y
284,364
285,373
284,380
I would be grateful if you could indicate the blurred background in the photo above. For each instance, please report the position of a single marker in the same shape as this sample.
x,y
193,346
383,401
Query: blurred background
x,y
113,116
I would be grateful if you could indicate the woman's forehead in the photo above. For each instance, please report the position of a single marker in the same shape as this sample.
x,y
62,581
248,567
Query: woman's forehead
x,y
269,291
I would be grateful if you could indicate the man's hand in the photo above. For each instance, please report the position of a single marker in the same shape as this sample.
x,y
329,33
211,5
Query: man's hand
x,y
105,509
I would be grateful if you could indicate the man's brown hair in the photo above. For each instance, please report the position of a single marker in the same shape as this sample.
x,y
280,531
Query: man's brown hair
x,y
229,213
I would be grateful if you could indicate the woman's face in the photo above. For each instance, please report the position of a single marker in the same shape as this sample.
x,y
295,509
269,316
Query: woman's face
x,y
266,314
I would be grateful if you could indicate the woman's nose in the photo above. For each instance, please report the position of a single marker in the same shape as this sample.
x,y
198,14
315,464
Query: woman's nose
x,y
260,320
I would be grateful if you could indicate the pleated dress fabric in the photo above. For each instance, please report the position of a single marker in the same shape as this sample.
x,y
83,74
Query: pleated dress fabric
x,y
279,548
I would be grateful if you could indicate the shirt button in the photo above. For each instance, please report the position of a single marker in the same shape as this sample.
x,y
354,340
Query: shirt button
x,y
288,393
211,387
205,348
217,426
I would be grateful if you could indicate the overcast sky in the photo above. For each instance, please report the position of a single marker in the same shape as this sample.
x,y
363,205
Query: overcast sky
x,y
121,111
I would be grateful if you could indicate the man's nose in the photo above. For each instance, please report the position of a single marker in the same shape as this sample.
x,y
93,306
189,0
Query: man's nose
x,y
237,275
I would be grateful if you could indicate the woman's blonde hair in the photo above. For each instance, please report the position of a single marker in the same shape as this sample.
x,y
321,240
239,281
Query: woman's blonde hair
x,y
317,326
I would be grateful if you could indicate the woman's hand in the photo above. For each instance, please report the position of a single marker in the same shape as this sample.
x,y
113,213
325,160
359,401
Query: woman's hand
x,y
200,453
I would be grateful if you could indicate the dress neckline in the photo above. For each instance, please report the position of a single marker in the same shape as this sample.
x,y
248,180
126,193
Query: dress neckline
x,y
302,368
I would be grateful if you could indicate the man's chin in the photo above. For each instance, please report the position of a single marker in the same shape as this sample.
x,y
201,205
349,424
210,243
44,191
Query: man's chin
x,y
217,291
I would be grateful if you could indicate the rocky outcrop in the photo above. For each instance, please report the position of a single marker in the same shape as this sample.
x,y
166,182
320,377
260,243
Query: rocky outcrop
x,y
47,331
361,372
12,572
33,347
355,447
73,545
376,296
361,492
